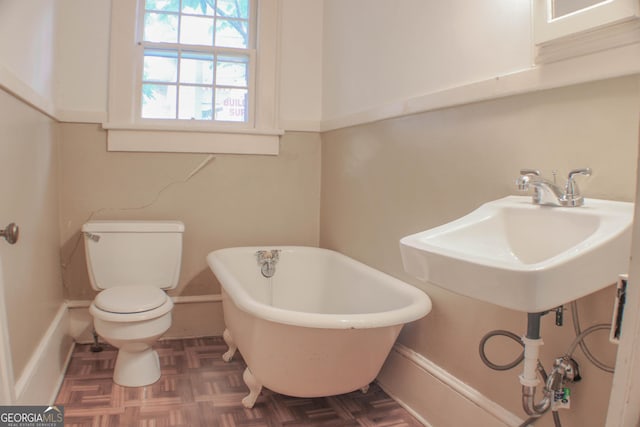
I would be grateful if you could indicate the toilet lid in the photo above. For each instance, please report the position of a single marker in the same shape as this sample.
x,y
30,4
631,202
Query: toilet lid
x,y
130,299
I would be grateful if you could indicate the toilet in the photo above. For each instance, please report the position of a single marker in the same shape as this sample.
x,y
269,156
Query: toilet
x,y
132,263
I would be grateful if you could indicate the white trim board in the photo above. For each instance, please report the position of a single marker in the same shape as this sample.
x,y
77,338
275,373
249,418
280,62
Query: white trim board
x,y
41,378
7,394
178,299
437,398
612,63
601,65
624,410
22,91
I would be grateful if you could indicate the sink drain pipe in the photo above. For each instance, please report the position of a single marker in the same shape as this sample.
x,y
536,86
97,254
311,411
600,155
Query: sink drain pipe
x,y
529,378
565,368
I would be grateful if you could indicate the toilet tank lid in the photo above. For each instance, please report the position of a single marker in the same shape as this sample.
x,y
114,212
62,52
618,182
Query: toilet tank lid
x,y
133,226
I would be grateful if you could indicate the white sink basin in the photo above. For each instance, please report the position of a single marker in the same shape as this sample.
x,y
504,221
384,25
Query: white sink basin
x,y
522,256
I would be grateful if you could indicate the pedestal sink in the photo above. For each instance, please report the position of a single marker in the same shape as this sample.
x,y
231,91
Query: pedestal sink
x,y
523,256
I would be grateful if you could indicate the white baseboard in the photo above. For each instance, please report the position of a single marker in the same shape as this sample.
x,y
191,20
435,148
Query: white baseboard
x,y
193,316
42,376
437,398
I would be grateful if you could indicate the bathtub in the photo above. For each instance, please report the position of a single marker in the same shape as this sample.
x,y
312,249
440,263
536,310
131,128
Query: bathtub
x,y
322,325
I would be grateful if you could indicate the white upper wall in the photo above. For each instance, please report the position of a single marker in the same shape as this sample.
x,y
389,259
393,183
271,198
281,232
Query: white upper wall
x,y
377,52
27,49
338,61
82,59
57,58
301,64
81,91
337,57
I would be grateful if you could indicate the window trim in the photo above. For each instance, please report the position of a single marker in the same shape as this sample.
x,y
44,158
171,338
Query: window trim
x,y
606,13
127,132
604,26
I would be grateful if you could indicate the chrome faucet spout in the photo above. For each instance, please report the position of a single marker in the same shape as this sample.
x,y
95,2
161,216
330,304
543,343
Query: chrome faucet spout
x,y
549,193
546,192
267,260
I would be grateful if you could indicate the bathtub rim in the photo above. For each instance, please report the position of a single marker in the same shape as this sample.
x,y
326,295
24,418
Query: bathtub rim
x,y
419,307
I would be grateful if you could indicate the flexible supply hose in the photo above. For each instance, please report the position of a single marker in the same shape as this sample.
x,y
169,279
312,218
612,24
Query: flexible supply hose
x,y
580,339
506,367
508,334
531,421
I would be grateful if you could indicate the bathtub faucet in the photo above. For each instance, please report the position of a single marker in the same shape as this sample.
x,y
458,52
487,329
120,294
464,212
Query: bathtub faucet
x,y
267,260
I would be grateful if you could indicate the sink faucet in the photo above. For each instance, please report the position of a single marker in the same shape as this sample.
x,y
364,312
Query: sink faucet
x,y
549,193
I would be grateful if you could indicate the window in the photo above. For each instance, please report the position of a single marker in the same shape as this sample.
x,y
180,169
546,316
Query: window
x,y
193,76
197,59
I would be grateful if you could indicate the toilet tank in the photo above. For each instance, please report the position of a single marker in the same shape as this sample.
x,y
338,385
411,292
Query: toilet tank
x,y
129,253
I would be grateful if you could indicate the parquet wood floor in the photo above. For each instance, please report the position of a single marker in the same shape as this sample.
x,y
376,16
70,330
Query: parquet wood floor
x,y
198,389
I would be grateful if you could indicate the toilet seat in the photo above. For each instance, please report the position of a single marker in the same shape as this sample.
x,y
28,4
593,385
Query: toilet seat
x,y
130,299
131,303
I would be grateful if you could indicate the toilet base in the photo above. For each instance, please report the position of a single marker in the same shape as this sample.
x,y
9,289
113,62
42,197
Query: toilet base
x,y
137,369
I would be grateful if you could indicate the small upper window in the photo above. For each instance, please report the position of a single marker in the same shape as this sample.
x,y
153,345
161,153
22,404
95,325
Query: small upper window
x,y
197,60
193,76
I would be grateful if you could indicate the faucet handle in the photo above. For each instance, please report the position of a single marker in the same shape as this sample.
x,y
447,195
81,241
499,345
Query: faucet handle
x,y
583,171
525,172
571,191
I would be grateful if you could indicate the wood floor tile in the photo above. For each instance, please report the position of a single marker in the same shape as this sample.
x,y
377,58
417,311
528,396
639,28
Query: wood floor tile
x,y
198,389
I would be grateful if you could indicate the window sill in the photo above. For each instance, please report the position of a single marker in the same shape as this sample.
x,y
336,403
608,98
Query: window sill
x,y
608,37
187,139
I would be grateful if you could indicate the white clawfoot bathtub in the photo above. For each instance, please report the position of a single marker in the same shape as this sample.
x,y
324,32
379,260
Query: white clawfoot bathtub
x,y
322,325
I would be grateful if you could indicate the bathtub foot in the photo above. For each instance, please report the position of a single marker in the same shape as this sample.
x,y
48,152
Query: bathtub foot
x,y
365,389
228,339
254,389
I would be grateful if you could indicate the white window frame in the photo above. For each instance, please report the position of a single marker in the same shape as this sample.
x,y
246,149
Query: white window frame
x,y
127,131
604,26
249,51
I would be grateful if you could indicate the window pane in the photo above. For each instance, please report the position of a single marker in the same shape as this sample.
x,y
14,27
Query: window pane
x,y
195,103
200,82
160,66
197,7
232,71
165,5
196,30
230,105
233,8
160,27
232,33
196,68
158,101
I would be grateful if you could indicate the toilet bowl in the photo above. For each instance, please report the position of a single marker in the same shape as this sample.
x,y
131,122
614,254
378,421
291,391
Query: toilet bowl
x,y
132,263
132,319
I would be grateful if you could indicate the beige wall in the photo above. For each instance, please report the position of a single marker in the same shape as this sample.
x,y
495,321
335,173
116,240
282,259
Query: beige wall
x,y
233,201
30,269
389,179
